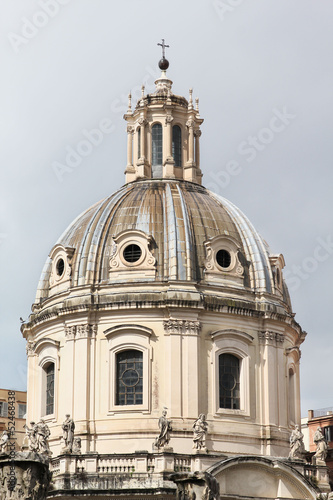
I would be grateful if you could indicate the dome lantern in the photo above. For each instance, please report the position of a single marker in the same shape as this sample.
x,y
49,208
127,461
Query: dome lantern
x,y
163,134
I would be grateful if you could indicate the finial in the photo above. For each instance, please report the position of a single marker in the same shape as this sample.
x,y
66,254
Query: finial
x,y
197,104
129,103
190,101
163,63
142,91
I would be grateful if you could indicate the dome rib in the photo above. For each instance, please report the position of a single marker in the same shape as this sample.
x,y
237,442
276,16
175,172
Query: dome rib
x,y
255,252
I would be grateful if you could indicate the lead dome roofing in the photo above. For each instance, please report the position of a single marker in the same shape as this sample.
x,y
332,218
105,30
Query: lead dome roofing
x,y
180,216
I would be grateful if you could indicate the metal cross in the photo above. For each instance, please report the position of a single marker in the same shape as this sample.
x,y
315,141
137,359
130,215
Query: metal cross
x,y
163,47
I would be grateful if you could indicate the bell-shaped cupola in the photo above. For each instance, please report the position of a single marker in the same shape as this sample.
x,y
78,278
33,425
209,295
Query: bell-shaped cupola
x,y
163,134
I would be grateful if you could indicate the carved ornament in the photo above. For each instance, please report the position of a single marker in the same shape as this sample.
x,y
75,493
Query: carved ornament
x,y
271,338
182,327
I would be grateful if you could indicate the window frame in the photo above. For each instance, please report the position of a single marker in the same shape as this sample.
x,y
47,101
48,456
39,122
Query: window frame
x,y
118,363
238,344
154,126
124,338
238,381
4,409
18,409
180,165
47,351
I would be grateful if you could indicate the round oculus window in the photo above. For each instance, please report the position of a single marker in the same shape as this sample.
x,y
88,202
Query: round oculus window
x,y
132,253
228,381
223,258
130,377
60,267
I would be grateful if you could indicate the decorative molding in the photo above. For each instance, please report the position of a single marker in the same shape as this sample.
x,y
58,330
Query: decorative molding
x,y
144,267
142,121
213,271
80,331
190,123
231,333
271,338
59,252
130,329
130,129
181,327
168,119
30,348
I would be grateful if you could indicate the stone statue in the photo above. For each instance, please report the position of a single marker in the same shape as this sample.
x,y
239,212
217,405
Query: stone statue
x,y
3,441
42,435
68,428
200,427
165,427
32,437
77,445
321,451
297,449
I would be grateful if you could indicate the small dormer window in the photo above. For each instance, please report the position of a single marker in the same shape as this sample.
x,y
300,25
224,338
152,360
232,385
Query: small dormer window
x,y
131,256
223,258
177,145
132,253
60,267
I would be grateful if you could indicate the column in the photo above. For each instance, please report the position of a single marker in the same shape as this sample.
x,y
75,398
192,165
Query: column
x,y
130,170
142,167
197,134
189,168
168,164
130,131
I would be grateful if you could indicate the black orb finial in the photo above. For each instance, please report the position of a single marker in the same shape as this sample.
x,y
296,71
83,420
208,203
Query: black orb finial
x,y
163,63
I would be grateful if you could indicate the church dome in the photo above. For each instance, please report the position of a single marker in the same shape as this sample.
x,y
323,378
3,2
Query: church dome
x,y
179,230
162,299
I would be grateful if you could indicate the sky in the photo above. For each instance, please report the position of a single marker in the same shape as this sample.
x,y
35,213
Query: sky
x,y
263,71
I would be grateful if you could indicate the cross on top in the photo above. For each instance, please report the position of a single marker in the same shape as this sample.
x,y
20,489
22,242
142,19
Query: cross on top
x,y
163,47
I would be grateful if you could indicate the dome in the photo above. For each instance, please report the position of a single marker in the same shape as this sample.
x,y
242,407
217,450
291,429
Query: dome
x,y
178,220
162,301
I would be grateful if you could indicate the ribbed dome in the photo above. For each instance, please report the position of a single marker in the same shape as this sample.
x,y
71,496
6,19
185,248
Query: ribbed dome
x,y
179,216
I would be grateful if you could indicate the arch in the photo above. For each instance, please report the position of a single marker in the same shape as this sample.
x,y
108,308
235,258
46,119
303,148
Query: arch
x,y
260,477
177,145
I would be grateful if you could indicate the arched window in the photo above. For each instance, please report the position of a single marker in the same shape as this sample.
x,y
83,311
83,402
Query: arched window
x,y
177,145
229,381
292,395
129,376
49,373
139,142
157,145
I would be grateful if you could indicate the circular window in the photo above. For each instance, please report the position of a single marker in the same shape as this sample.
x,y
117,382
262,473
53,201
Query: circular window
x,y
223,258
130,377
228,381
60,267
132,253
